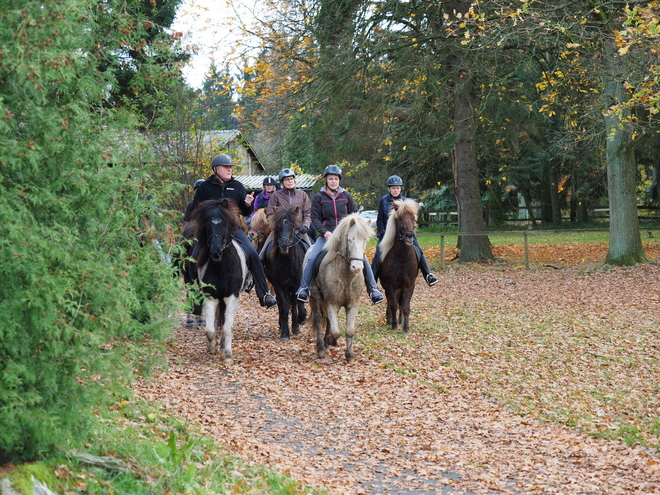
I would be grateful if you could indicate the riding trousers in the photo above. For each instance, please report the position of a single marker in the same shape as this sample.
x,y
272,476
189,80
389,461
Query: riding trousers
x,y
369,279
421,260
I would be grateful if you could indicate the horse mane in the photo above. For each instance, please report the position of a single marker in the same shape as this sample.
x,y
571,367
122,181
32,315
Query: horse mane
x,y
259,218
205,213
406,207
362,229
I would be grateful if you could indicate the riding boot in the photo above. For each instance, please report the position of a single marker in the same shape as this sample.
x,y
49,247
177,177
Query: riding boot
x,y
423,264
372,288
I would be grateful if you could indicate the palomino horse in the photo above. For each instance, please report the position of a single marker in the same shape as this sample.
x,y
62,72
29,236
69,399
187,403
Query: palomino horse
x,y
339,283
284,264
259,229
398,262
221,269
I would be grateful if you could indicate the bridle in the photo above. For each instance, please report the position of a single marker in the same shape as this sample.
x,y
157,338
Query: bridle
x,y
286,242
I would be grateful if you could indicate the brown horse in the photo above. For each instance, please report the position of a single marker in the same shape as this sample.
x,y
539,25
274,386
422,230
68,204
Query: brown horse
x,y
398,269
259,229
339,282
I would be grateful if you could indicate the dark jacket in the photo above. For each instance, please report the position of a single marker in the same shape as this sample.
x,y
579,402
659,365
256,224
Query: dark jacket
x,y
213,189
384,208
328,210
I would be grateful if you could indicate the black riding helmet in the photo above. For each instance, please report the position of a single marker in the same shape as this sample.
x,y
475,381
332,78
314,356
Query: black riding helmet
x,y
332,170
269,181
394,180
220,160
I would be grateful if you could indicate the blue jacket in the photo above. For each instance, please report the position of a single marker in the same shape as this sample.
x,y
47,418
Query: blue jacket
x,y
384,208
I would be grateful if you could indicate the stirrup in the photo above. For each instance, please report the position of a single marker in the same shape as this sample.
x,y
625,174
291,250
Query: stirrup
x,y
302,295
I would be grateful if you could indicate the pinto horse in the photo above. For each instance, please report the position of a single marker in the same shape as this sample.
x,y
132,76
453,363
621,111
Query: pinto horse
x,y
222,269
339,283
398,262
259,229
284,265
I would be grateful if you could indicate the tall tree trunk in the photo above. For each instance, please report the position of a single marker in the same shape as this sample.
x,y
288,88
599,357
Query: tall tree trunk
x,y
625,246
466,172
554,196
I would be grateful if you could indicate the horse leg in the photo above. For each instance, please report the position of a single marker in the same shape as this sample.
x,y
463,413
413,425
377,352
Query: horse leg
x,y
318,320
209,309
283,306
227,318
293,303
390,313
332,326
350,332
302,312
406,297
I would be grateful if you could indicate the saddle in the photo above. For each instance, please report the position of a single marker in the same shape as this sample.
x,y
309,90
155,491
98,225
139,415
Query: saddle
x,y
317,263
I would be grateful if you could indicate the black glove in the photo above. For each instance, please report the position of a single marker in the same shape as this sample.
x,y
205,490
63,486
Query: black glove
x,y
302,230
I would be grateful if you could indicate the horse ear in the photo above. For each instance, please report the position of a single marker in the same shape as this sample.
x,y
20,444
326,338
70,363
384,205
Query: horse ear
x,y
225,203
396,204
296,209
352,222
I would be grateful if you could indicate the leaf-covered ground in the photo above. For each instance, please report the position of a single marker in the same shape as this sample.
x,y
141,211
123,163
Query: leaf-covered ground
x,y
510,381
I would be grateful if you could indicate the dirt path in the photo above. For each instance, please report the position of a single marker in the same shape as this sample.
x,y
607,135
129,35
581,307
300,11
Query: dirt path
x,y
366,428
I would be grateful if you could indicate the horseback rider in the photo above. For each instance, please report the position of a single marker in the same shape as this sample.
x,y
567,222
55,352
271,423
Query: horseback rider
x,y
329,206
394,185
289,196
261,200
222,185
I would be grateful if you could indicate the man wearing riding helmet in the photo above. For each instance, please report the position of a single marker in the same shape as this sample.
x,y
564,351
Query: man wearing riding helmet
x,y
329,206
289,196
394,185
222,185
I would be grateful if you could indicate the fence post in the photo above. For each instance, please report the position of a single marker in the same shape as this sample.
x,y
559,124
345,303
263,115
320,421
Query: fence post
x,y
442,250
526,249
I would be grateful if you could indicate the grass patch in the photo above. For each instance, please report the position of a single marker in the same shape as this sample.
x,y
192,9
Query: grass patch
x,y
157,453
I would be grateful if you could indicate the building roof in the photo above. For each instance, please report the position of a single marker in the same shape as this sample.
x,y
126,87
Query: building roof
x,y
303,181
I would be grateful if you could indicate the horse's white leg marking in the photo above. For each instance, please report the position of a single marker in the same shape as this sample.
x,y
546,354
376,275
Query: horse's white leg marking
x,y
210,307
244,267
231,306
201,271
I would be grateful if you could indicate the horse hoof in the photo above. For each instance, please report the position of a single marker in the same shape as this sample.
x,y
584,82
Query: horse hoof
x,y
284,338
189,324
295,331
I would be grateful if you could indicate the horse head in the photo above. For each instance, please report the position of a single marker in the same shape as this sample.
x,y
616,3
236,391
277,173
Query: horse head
x,y
217,221
405,218
284,223
350,239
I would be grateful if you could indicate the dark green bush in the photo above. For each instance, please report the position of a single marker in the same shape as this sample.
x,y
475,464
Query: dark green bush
x,y
82,288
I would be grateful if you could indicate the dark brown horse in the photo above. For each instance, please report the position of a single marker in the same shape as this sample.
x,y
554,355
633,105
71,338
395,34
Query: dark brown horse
x,y
398,269
284,264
